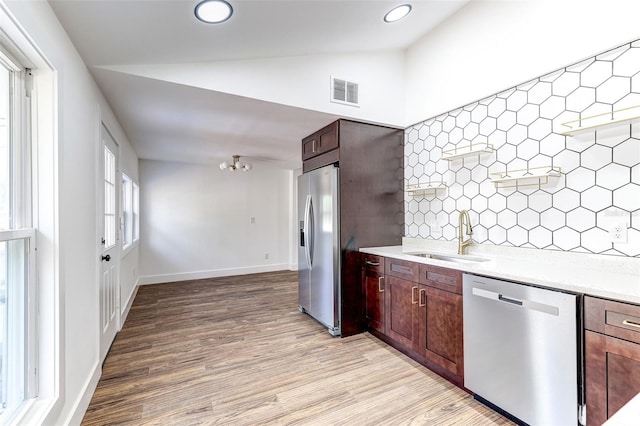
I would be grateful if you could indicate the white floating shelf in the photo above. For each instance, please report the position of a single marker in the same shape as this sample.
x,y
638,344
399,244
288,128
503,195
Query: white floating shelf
x,y
624,115
424,188
540,174
466,150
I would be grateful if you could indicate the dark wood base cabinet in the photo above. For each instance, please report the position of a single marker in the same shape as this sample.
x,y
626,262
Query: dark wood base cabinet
x,y
440,329
373,289
417,309
400,299
612,357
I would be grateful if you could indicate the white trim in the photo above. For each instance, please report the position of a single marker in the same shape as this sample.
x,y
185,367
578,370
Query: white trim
x,y
50,275
17,234
125,251
79,408
45,179
213,273
127,306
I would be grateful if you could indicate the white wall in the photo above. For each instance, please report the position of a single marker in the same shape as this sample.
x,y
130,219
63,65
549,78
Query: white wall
x,y
294,227
489,46
300,81
81,107
130,258
195,221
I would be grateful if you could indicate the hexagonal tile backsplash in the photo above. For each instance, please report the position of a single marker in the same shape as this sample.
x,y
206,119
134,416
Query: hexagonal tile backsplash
x,y
599,185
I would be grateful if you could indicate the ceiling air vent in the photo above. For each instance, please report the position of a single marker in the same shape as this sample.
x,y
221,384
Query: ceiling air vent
x,y
344,92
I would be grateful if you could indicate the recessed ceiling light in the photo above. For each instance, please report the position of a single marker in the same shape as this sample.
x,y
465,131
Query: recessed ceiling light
x,y
213,11
397,13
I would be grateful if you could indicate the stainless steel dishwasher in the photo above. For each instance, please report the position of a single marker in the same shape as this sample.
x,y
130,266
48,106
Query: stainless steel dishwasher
x,y
521,351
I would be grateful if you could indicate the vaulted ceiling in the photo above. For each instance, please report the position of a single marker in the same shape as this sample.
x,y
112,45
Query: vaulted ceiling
x,y
168,116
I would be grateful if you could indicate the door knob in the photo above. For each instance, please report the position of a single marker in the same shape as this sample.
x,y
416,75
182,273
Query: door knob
x,y
107,257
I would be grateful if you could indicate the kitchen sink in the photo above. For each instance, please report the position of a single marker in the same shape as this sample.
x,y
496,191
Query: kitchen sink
x,y
448,257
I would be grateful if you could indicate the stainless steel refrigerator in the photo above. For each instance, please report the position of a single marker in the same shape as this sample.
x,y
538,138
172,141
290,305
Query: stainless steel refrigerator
x,y
319,246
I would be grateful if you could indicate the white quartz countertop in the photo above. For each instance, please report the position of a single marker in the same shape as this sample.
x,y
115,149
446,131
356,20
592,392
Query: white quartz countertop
x,y
612,277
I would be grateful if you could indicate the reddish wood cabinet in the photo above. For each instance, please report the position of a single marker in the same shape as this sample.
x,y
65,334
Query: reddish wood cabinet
x,y
439,329
422,312
373,289
612,356
401,299
324,140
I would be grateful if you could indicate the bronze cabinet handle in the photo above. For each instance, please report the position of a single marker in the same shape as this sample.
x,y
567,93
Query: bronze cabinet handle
x,y
631,323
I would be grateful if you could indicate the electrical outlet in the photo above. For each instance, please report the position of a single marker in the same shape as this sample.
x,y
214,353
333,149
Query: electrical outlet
x,y
266,256
618,233
253,219
436,230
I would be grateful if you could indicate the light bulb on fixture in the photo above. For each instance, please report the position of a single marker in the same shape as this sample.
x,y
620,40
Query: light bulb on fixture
x,y
213,11
397,13
235,165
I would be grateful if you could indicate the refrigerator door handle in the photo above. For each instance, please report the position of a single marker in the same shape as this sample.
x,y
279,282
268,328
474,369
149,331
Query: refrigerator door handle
x,y
307,246
312,231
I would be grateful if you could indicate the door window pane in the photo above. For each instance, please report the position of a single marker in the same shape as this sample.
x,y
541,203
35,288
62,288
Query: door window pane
x,y
109,199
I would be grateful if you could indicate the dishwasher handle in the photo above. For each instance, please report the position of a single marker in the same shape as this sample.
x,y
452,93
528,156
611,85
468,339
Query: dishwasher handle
x,y
509,300
525,303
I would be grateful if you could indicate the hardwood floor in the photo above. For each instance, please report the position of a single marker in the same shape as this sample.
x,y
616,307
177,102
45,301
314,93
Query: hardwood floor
x,y
236,351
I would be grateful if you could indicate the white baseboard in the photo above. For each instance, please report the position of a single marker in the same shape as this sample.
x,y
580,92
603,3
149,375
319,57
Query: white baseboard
x,y
124,313
213,273
80,407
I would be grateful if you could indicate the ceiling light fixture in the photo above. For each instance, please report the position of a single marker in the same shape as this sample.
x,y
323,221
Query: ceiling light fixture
x,y
236,164
213,11
397,13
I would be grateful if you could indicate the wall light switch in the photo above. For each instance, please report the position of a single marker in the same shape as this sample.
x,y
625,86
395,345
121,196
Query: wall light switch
x,y
253,219
618,233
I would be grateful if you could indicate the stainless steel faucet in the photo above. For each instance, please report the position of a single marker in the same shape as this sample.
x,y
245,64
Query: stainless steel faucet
x,y
462,244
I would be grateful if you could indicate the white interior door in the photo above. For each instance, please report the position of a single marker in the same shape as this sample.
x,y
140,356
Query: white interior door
x,y
110,185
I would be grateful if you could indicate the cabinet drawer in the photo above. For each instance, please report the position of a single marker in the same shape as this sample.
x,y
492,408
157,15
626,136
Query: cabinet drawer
x,y
373,263
402,269
612,318
442,278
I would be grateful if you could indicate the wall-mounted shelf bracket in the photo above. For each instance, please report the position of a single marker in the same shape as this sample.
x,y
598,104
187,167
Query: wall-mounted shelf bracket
x,y
620,116
465,150
525,177
424,188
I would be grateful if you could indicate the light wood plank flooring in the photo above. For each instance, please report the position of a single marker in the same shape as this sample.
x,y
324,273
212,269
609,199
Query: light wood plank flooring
x,y
236,351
